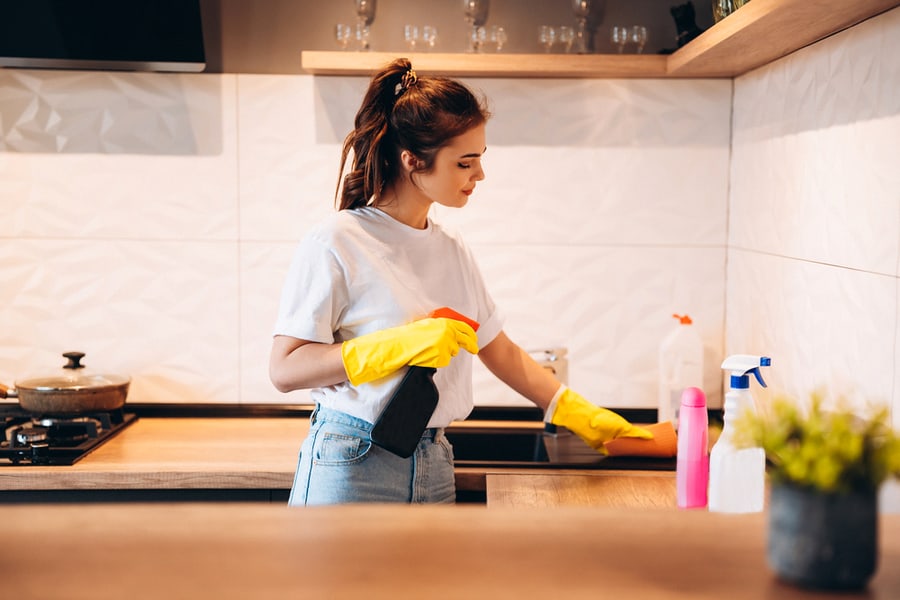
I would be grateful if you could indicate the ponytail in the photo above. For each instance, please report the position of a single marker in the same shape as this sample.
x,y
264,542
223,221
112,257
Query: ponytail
x,y
401,111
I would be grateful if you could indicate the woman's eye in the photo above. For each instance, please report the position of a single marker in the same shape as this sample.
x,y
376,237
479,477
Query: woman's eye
x,y
463,166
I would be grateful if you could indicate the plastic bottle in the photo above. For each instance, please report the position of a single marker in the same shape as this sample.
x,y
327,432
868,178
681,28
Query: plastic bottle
x,y
680,367
737,476
692,464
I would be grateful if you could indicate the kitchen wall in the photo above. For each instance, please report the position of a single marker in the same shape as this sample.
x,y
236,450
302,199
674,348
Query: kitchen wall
x,y
814,219
148,220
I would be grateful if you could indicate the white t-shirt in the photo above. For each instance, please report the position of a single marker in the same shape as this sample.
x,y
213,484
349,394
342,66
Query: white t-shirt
x,y
361,271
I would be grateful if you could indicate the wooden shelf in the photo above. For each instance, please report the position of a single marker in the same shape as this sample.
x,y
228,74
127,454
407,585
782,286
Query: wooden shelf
x,y
760,32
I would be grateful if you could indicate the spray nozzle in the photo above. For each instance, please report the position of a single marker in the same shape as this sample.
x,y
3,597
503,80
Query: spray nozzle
x,y
683,319
741,365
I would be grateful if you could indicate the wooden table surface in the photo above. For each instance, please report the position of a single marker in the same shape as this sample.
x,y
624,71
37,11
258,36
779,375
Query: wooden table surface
x,y
224,551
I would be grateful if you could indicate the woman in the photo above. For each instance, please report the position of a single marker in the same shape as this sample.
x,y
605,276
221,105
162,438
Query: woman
x,y
354,310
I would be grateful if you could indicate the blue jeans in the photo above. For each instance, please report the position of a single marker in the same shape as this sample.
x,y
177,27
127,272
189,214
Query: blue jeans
x,y
340,464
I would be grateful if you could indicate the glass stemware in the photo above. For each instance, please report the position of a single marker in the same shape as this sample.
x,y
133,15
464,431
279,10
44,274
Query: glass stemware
x,y
547,37
365,14
619,37
343,34
429,36
639,38
411,35
498,37
475,12
566,36
581,9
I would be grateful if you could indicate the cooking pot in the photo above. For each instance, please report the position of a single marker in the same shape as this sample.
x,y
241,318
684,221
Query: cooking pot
x,y
73,391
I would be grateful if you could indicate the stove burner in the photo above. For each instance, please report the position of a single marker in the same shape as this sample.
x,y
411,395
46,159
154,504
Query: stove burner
x,y
55,440
30,435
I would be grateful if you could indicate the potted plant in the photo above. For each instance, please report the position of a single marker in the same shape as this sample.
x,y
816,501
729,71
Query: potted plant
x,y
825,467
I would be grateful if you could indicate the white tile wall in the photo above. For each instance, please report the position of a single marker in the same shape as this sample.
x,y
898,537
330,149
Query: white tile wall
x,y
149,219
814,226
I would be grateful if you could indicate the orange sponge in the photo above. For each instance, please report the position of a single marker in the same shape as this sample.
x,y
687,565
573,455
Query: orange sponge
x,y
663,445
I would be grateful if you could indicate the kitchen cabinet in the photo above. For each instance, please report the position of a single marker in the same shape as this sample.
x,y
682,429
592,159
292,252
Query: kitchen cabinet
x,y
758,33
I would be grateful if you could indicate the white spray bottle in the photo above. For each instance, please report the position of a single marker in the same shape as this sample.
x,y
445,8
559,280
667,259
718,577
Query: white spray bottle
x,y
737,476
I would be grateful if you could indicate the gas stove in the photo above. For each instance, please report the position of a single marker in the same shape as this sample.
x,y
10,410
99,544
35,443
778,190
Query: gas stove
x,y
35,440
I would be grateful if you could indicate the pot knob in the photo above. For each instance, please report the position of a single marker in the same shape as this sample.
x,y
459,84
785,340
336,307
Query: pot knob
x,y
74,360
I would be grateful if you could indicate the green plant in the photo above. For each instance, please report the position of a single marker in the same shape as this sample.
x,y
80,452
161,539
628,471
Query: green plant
x,y
834,450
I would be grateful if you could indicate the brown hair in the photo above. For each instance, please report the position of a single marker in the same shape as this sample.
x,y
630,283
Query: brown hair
x,y
401,111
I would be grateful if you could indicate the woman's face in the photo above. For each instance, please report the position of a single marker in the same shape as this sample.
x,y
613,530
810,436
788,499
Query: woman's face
x,y
457,167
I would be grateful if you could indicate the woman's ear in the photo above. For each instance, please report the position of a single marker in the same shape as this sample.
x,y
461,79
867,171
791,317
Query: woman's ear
x,y
409,161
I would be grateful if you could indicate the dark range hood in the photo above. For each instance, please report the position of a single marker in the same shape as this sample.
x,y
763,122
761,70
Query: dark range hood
x,y
124,35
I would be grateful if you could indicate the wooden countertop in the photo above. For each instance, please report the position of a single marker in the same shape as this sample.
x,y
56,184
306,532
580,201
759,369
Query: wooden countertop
x,y
202,453
228,453
224,551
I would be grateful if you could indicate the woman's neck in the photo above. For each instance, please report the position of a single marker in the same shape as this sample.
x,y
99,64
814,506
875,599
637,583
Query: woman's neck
x,y
405,203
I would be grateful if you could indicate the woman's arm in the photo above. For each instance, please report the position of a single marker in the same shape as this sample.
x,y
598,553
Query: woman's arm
x,y
300,364
514,367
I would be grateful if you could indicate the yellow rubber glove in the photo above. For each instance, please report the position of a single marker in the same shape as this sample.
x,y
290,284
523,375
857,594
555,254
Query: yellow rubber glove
x,y
427,343
593,424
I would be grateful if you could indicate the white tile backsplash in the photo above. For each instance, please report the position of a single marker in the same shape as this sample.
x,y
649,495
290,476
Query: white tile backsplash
x,y
814,224
149,219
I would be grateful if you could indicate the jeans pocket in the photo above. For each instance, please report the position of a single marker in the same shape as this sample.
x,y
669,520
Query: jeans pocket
x,y
340,449
448,448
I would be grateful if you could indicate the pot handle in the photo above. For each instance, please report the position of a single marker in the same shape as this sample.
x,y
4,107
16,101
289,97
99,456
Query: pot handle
x,y
5,392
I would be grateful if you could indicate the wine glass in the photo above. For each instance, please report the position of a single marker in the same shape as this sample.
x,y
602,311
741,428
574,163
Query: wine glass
x,y
365,14
619,37
566,36
343,34
429,36
476,12
411,35
498,37
581,9
639,37
547,37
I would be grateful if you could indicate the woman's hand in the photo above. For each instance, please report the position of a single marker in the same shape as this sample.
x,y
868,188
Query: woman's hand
x,y
428,342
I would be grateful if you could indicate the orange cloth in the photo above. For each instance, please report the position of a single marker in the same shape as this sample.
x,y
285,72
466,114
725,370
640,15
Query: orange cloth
x,y
664,443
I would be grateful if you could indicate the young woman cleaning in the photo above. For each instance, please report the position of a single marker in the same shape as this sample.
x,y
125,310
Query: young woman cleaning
x,y
354,313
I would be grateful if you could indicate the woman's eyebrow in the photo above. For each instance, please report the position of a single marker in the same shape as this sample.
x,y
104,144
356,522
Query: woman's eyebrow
x,y
474,154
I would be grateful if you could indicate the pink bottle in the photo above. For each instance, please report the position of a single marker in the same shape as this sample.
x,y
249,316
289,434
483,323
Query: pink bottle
x,y
692,465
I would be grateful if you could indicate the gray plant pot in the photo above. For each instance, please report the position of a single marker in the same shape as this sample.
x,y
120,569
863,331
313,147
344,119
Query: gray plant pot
x,y
823,541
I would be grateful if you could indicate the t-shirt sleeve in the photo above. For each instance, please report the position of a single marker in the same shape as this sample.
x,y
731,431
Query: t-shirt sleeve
x,y
314,294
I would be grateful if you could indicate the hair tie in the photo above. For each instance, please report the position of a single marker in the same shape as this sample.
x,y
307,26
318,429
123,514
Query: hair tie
x,y
408,80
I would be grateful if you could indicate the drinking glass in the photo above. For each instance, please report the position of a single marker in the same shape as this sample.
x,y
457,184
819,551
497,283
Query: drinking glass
x,y
619,37
365,14
498,37
547,37
475,12
639,38
411,35
566,36
581,10
343,34
429,36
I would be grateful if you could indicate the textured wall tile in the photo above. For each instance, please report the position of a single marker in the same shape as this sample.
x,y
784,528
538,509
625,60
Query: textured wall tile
x,y
629,177
816,135
117,155
611,307
288,171
263,269
163,312
823,326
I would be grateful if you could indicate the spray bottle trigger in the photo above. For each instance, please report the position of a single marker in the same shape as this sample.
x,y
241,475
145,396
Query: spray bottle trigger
x,y
758,376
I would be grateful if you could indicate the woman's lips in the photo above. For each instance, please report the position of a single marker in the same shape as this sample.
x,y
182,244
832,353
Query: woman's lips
x,y
468,192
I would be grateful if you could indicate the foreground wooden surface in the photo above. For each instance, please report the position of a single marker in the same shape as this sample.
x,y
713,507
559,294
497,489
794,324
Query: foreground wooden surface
x,y
227,551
